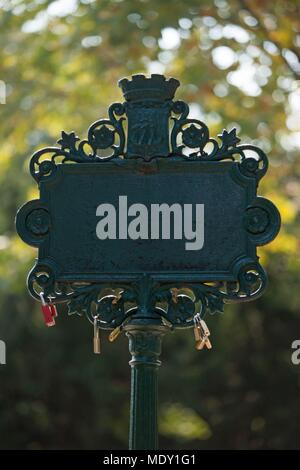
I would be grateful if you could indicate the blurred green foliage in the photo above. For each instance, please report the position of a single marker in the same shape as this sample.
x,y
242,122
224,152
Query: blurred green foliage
x,y
238,62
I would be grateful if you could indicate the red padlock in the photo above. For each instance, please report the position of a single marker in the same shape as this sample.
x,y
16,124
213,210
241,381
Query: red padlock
x,y
53,310
48,312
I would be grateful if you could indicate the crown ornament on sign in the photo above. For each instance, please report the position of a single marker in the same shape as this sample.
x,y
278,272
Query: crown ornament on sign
x,y
156,87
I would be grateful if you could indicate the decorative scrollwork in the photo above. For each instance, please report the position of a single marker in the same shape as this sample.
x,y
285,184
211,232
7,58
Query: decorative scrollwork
x,y
148,134
42,279
194,134
175,304
102,135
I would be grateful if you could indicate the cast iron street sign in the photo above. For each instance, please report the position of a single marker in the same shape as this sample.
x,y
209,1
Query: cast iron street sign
x,y
148,222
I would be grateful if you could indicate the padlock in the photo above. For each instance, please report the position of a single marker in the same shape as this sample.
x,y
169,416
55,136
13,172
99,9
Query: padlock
x,y
114,334
47,312
201,333
96,339
53,310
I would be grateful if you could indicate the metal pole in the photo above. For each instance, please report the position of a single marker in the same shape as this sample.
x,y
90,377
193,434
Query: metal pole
x,y
145,349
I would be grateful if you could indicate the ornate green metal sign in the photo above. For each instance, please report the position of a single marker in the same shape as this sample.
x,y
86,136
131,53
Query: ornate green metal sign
x,y
110,220
149,222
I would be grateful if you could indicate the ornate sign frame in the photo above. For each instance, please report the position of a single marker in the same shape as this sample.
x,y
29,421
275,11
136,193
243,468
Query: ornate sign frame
x,y
136,137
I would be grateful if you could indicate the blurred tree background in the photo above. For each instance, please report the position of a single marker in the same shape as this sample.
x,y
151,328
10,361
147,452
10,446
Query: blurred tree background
x,y
238,63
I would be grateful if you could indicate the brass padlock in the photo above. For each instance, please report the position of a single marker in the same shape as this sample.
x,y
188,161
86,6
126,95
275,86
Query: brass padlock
x,y
114,334
97,344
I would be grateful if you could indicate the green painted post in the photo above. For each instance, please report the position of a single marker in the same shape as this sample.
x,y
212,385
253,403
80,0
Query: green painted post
x,y
145,349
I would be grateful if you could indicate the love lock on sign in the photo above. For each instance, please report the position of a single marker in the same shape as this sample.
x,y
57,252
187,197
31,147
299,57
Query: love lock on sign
x,y
147,230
